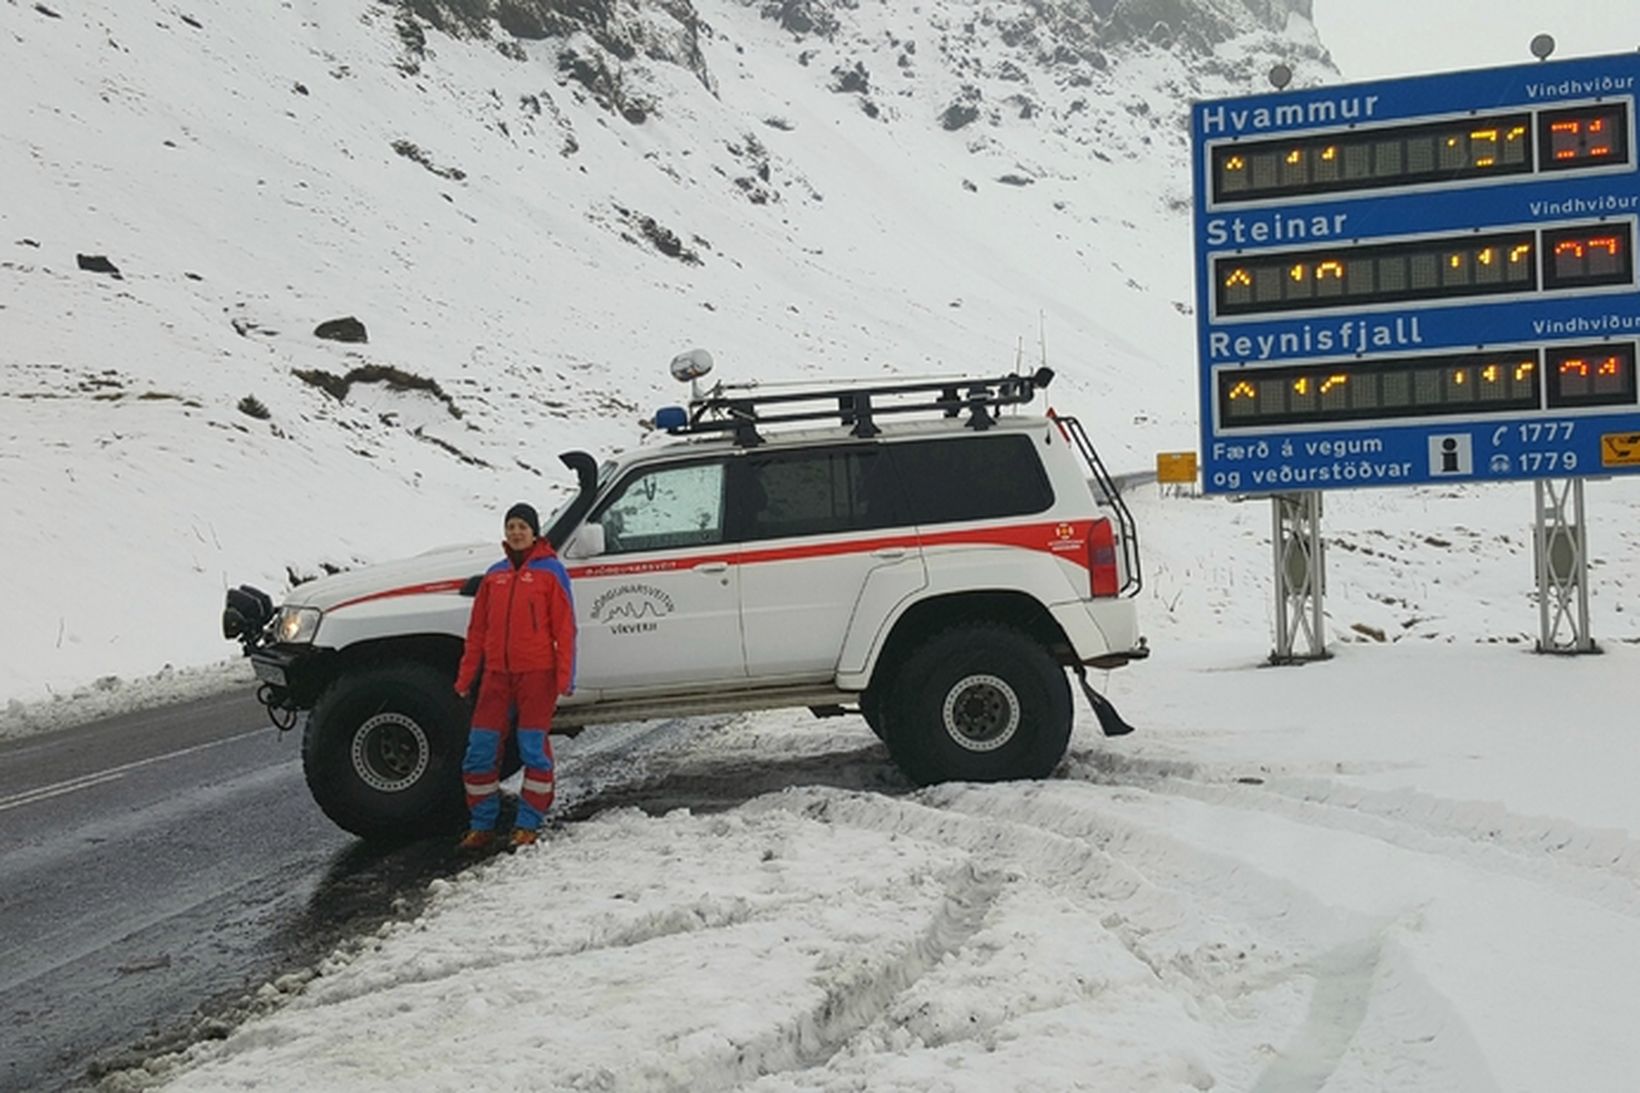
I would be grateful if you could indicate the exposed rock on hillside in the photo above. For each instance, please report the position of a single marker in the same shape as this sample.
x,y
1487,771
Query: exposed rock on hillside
x,y
348,329
1196,25
598,38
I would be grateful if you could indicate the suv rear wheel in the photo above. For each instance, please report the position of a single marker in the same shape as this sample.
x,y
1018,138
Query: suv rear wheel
x,y
871,709
382,752
978,702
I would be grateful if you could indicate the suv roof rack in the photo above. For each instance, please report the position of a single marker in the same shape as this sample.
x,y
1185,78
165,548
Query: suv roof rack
x,y
726,409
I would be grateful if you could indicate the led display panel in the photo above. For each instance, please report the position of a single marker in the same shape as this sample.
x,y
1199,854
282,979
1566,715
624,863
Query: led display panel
x,y
1585,136
1350,276
1589,256
1591,375
1462,383
1370,159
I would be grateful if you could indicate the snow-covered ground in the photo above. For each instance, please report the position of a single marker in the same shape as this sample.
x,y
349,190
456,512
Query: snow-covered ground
x,y
1412,867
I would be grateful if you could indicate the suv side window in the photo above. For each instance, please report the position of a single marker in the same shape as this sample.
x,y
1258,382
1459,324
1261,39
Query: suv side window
x,y
972,478
664,508
816,492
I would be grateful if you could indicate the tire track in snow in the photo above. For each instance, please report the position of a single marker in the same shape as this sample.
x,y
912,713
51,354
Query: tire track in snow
x,y
857,998
1600,867
1344,981
1160,897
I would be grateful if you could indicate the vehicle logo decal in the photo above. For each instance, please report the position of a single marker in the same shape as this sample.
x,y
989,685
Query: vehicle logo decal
x,y
1068,537
632,608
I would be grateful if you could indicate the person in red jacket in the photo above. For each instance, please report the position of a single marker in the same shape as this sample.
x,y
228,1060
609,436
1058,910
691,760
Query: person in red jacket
x,y
521,652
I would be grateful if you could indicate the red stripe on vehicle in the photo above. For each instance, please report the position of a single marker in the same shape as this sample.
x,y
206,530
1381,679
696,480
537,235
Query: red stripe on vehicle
x,y
430,588
1066,540
1063,539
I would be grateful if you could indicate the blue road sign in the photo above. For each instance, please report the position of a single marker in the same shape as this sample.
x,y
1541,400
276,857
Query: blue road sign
x,y
1420,280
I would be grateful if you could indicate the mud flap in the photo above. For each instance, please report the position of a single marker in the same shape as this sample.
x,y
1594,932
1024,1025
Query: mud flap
x,y
1110,722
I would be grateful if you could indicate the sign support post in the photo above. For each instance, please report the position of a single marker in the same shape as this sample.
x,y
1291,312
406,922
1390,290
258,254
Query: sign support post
x,y
1301,576
1562,567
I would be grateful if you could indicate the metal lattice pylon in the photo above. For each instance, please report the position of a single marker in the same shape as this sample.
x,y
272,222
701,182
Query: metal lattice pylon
x,y
1562,567
1300,561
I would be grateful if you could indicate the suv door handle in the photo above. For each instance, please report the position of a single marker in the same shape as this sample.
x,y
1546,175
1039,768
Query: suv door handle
x,y
712,567
891,554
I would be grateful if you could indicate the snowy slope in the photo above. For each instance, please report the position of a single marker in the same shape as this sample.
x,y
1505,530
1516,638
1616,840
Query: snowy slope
x,y
502,230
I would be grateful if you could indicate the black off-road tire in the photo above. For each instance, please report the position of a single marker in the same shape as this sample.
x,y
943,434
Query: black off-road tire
x,y
382,752
978,702
871,709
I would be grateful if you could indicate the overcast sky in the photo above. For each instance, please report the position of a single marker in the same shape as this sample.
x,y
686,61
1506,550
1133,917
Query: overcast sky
x,y
1372,38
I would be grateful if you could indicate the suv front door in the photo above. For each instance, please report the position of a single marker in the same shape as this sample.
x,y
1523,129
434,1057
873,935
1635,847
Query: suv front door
x,y
821,530
660,607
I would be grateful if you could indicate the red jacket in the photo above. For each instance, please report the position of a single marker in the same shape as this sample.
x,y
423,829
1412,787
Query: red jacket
x,y
523,621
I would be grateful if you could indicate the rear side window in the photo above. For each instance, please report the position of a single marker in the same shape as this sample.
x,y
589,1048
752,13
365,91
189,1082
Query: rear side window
x,y
817,492
971,478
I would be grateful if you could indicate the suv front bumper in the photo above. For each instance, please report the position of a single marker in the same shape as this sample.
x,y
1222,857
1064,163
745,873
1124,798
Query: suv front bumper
x,y
288,672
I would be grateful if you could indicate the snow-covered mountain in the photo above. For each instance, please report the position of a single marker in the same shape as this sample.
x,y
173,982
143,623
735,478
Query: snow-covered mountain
x,y
529,206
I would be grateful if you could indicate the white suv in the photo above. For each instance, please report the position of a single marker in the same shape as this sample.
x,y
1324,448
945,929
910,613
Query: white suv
x,y
937,573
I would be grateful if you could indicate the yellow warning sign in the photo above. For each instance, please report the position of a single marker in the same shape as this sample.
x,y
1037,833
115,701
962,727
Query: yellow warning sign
x,y
1620,449
1178,466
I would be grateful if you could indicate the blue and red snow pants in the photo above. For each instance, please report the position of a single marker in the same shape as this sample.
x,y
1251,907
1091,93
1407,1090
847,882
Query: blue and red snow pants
x,y
531,697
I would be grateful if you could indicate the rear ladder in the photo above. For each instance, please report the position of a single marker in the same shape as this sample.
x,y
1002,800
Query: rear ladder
x,y
1078,436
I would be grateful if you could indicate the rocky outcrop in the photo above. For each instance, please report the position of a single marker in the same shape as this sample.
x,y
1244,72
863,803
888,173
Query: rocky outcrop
x,y
346,329
599,38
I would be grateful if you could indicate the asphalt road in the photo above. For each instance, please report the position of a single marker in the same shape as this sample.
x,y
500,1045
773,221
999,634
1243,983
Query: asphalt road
x,y
156,868
153,868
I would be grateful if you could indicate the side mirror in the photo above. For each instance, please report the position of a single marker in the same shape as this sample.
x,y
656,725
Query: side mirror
x,y
587,542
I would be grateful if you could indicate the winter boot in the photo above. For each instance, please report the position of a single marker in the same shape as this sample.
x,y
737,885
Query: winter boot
x,y
477,841
522,837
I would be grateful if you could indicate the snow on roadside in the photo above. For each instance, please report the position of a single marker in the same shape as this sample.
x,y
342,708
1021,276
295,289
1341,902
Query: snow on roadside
x,y
111,695
1368,883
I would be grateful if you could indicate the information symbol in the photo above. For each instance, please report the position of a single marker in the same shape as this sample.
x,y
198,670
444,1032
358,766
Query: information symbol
x,y
1451,456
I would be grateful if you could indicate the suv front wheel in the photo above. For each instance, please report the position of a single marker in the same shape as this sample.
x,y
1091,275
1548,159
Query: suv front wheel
x,y
978,702
382,752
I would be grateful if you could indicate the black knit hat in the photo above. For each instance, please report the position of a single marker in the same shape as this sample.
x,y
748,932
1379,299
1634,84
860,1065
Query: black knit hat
x,y
526,513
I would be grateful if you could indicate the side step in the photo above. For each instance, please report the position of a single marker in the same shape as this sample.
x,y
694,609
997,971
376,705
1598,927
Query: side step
x,y
648,708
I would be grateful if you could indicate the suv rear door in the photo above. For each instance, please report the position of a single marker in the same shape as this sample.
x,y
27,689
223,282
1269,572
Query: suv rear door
x,y
820,530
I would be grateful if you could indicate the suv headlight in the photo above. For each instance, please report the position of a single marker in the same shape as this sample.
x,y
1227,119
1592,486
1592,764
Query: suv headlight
x,y
296,625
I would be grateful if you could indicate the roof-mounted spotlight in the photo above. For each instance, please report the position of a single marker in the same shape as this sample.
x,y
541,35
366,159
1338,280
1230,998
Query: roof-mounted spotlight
x,y
692,365
687,367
